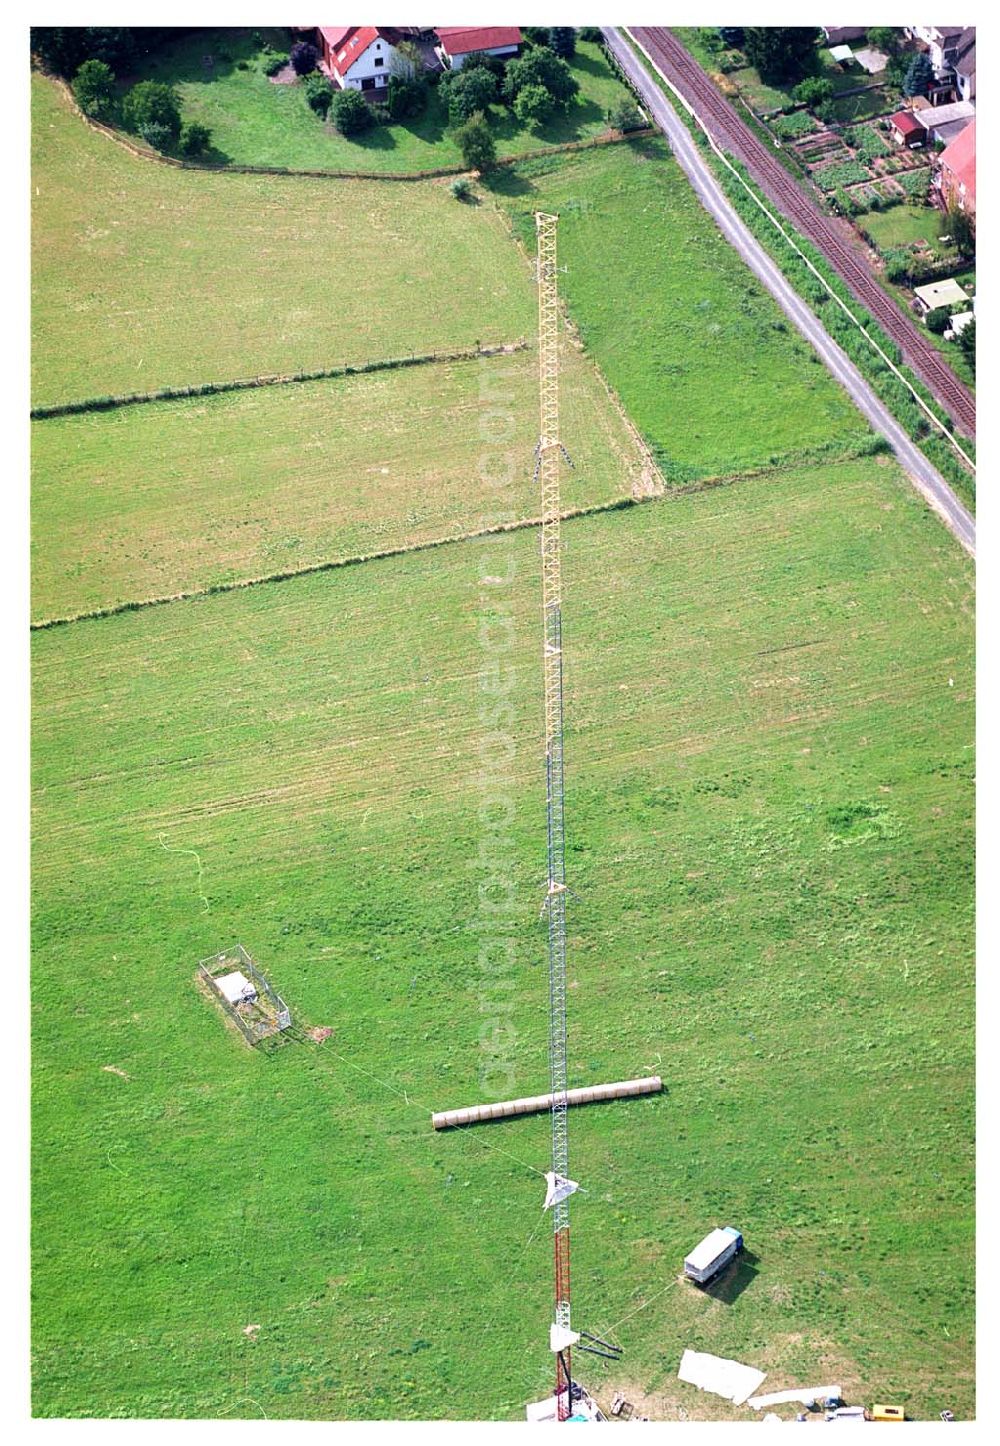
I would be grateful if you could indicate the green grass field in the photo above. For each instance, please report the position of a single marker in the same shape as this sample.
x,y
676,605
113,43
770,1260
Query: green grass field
x,y
770,806
151,500
147,277
703,359
256,122
903,225
770,733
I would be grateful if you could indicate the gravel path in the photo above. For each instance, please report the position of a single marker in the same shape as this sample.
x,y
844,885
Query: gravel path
x,y
925,477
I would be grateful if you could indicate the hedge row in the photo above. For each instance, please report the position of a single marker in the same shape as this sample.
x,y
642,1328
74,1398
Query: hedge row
x,y
291,574
209,389
884,383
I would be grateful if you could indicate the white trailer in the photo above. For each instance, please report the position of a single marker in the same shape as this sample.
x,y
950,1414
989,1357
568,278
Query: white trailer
x,y
713,1254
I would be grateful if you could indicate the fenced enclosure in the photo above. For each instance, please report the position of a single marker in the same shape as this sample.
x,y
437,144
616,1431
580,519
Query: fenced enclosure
x,y
258,1011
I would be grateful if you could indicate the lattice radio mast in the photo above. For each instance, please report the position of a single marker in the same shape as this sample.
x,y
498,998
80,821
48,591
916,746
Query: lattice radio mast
x,y
550,455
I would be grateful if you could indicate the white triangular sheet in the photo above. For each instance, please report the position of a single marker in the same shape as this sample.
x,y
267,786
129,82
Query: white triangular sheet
x,y
561,1336
558,1188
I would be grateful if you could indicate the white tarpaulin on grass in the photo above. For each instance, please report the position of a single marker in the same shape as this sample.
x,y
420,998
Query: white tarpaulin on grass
x,y
558,1188
729,1379
805,1395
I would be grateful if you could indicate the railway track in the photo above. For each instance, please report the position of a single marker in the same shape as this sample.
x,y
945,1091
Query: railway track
x,y
734,135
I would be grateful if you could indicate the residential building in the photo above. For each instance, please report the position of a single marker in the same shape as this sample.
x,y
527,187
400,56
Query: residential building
x,y
360,57
941,42
956,177
458,42
964,64
843,34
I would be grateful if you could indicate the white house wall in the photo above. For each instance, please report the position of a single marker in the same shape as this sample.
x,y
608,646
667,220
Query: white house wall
x,y
364,68
457,61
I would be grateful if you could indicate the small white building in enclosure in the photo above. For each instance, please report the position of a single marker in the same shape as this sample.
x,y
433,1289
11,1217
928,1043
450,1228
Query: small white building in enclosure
x,y
246,995
236,987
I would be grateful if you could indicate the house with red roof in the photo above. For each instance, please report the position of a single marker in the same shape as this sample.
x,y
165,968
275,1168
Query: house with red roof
x,y
458,42
360,57
957,173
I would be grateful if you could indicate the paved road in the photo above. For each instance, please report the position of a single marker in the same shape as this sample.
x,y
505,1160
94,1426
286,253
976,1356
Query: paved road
x,y
927,480
731,131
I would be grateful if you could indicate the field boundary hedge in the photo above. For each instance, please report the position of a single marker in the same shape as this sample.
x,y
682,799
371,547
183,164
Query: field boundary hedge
x,y
275,379
866,446
147,153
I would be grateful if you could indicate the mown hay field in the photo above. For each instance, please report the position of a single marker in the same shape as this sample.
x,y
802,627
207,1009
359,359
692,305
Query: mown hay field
x,y
148,501
769,797
708,367
145,276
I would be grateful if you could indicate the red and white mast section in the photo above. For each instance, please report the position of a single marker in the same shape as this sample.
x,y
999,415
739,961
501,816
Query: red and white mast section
x,y
550,455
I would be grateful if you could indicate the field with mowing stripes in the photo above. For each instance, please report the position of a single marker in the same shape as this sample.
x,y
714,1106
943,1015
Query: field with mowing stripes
x,y
146,277
770,799
150,500
770,805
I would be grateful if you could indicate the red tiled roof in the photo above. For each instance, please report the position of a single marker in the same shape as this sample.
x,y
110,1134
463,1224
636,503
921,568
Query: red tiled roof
x,y
960,159
906,123
335,35
464,39
349,42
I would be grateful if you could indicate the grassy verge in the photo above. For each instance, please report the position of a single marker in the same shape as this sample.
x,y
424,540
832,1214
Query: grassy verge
x,y
770,805
147,277
192,494
702,358
257,122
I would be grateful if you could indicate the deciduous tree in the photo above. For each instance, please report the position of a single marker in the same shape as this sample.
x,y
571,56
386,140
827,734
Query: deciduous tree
x,y
540,67
475,141
351,114
94,89
781,53
534,105
152,110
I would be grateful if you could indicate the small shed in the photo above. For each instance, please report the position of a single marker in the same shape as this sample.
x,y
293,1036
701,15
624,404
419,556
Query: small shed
x,y
940,293
872,60
958,324
842,54
906,130
236,988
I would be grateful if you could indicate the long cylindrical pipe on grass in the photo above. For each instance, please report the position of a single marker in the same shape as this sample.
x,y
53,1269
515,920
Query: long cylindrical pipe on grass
x,y
534,1104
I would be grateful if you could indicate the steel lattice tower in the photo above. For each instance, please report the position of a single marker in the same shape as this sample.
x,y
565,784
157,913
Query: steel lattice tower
x,y
550,455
